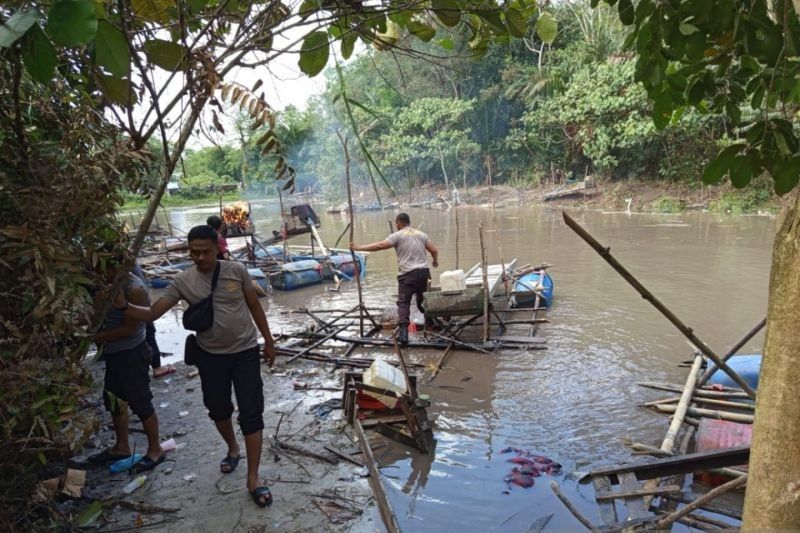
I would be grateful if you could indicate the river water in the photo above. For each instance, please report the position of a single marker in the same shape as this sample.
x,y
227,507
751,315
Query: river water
x,y
578,400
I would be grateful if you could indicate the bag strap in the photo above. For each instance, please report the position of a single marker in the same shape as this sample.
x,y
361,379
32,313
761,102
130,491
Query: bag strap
x,y
214,278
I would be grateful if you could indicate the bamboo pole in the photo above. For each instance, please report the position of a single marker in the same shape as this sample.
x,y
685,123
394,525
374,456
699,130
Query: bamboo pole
x,y
698,392
710,495
485,285
708,413
458,232
572,509
356,263
683,405
735,348
647,295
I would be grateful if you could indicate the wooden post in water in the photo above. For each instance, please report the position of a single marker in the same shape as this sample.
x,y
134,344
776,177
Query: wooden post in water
x,y
356,263
647,295
485,285
458,232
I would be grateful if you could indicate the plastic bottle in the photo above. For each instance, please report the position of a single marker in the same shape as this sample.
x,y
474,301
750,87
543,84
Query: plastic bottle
x,y
134,484
121,465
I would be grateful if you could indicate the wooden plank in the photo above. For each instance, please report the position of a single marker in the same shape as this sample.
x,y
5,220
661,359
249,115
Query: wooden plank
x,y
682,464
385,508
635,504
656,491
608,512
520,339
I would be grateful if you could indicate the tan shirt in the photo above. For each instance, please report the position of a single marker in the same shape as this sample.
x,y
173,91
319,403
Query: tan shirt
x,y
233,330
409,243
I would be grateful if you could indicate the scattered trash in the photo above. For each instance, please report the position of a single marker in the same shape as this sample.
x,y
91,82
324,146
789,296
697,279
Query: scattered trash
x,y
322,410
167,381
167,471
125,464
183,413
163,405
168,445
135,484
193,374
530,466
181,446
70,484
89,515
190,477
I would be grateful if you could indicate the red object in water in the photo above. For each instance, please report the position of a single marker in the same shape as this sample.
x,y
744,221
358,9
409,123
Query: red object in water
x,y
720,435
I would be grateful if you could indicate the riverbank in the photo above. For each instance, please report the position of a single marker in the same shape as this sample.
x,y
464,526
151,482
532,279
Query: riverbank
x,y
637,196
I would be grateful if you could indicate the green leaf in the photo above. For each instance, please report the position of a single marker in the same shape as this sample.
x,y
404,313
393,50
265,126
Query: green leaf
x,y
166,54
721,164
447,44
626,12
72,22
39,55
314,53
786,174
111,49
90,514
307,8
421,31
348,44
118,91
662,110
16,26
687,29
196,6
493,19
741,171
447,11
517,22
547,27
153,10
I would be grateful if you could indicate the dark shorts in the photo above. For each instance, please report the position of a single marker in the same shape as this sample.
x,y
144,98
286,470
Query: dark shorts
x,y
240,371
128,379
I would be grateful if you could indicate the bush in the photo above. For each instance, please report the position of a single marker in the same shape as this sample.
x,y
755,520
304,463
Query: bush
x,y
667,204
59,176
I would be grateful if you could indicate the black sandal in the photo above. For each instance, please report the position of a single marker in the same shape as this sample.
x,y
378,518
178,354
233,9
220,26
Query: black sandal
x,y
106,457
146,464
261,492
230,462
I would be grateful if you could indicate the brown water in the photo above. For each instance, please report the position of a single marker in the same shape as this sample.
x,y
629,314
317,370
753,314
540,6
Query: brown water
x,y
575,401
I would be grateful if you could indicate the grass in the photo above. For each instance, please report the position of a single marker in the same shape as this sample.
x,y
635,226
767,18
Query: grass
x,y
668,204
758,196
134,201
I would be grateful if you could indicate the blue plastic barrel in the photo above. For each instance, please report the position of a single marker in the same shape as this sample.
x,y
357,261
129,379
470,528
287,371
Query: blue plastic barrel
x,y
297,274
747,366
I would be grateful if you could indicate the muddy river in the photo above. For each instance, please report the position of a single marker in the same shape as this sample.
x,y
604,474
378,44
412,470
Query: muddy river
x,y
578,400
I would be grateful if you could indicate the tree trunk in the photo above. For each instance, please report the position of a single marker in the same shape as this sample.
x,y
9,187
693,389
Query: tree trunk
x,y
773,488
444,171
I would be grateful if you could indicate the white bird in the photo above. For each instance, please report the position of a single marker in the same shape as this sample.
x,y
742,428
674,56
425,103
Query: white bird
x,y
628,205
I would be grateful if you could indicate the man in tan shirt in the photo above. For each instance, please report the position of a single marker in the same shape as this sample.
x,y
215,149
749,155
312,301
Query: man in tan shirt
x,y
412,247
228,351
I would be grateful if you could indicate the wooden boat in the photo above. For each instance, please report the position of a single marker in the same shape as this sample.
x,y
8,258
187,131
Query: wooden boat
x,y
530,285
470,300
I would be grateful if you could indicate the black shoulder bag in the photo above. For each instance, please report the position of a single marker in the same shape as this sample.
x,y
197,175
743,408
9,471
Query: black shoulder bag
x,y
199,317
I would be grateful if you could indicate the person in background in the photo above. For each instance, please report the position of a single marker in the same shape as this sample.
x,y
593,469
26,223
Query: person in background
x,y
127,376
227,355
412,247
159,371
222,231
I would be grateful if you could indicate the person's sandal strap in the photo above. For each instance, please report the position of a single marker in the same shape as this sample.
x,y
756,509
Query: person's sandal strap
x,y
261,496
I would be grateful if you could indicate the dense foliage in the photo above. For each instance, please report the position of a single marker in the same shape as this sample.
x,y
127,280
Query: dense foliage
x,y
527,111
61,165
